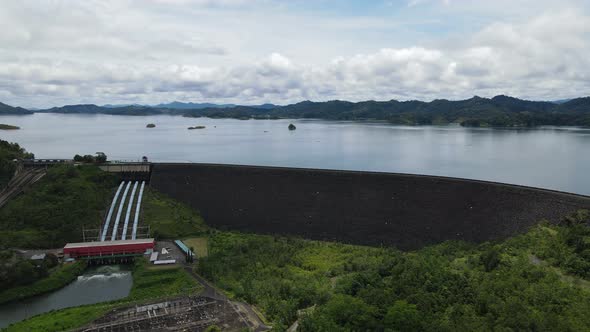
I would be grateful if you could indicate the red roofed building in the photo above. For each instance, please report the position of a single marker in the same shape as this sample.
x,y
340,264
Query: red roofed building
x,y
104,249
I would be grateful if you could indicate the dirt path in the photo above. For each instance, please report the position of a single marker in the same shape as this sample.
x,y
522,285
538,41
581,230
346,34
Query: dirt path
x,y
244,309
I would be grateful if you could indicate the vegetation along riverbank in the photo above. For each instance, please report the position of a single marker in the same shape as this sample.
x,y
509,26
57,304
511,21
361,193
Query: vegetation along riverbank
x,y
148,284
22,278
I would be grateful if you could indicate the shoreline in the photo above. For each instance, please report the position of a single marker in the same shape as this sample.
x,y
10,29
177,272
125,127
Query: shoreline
x,y
58,279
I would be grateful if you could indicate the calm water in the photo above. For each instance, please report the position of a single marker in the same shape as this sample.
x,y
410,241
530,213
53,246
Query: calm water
x,y
100,284
555,158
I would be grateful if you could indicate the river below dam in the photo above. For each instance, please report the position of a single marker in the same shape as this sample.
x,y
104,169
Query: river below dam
x,y
97,284
547,157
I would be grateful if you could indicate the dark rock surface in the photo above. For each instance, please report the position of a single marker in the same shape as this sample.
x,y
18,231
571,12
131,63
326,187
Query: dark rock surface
x,y
406,211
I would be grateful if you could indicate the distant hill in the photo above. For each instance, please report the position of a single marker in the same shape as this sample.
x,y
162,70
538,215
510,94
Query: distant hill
x,y
120,105
181,105
560,101
188,106
94,109
11,110
499,111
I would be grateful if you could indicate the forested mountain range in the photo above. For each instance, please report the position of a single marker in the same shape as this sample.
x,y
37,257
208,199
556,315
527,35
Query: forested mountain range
x,y
11,110
499,111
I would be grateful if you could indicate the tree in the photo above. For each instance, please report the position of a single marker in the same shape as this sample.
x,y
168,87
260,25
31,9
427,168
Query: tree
x,y
213,328
350,312
87,158
403,316
490,259
101,157
51,260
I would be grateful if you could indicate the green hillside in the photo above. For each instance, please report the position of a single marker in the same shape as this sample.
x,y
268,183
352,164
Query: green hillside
x,y
539,281
11,110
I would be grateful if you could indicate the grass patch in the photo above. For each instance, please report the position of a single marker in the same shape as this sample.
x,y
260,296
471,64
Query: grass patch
x,y
148,285
57,279
169,219
162,267
200,244
62,320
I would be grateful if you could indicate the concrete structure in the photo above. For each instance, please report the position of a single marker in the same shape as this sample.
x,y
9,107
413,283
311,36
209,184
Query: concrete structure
x,y
369,208
127,167
103,249
183,247
38,257
154,256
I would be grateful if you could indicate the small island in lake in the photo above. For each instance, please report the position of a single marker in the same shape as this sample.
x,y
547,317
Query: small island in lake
x,y
150,125
292,126
196,127
8,127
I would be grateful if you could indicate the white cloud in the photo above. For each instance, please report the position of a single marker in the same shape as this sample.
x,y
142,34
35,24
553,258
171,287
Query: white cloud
x,y
56,52
413,3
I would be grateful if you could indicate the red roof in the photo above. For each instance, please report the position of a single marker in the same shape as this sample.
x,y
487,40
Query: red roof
x,y
107,243
106,248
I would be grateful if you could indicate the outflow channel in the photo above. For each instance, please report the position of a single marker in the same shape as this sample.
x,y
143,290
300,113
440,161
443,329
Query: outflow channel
x,y
123,204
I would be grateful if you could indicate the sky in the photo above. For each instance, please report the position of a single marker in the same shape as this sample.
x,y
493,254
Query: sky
x,y
58,52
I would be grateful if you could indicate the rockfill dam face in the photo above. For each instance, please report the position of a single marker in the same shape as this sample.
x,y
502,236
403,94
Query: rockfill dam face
x,y
367,208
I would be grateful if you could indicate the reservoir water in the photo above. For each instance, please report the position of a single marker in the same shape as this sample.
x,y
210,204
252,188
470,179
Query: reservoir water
x,y
547,157
97,284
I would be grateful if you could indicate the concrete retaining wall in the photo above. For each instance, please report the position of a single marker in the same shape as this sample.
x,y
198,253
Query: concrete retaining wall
x,y
406,211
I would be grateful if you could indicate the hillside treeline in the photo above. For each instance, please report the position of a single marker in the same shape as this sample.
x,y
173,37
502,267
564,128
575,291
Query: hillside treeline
x,y
499,111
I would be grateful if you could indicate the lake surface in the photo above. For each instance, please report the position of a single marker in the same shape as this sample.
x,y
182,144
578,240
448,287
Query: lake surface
x,y
98,284
547,157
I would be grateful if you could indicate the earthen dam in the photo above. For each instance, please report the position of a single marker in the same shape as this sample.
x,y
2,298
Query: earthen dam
x,y
368,208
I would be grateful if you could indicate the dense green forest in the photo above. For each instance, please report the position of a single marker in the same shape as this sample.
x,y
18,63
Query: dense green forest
x,y
9,152
539,281
67,199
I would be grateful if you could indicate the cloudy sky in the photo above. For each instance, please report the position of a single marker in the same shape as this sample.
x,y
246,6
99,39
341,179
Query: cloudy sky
x,y
55,52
